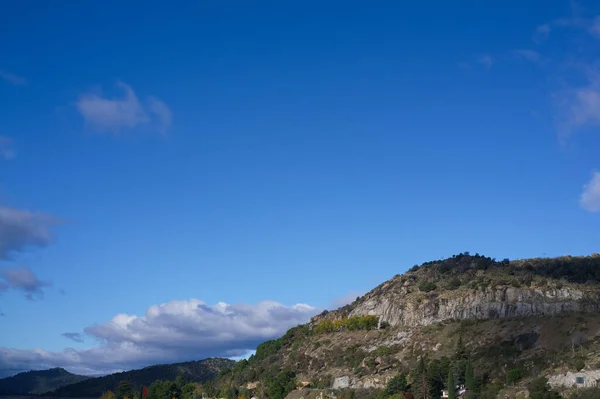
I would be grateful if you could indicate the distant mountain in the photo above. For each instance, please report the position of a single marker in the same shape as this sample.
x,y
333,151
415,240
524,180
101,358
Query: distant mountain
x,y
197,371
38,382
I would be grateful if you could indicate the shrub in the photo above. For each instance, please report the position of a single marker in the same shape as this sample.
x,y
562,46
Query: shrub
x,y
383,351
578,363
427,286
453,284
354,323
513,376
396,385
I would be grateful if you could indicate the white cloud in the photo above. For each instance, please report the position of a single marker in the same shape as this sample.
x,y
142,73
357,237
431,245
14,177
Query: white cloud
x,y
22,278
486,60
590,197
579,106
12,78
171,332
127,112
21,229
6,148
162,113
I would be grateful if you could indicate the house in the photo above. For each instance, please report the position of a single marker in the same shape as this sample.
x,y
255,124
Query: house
x,y
459,392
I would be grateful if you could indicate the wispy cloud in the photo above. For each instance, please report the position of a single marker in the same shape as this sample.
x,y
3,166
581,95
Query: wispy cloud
x,y
12,78
541,33
579,106
595,28
591,25
162,112
528,55
127,112
77,337
6,148
22,278
21,229
486,60
590,197
171,332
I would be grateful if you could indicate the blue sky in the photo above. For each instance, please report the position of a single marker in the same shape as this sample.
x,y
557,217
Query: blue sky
x,y
248,166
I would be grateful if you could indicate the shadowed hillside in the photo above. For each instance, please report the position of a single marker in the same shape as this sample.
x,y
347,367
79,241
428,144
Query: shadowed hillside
x,y
197,371
38,382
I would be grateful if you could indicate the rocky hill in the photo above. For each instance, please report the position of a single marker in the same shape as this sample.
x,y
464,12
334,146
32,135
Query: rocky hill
x,y
198,371
476,287
38,382
511,320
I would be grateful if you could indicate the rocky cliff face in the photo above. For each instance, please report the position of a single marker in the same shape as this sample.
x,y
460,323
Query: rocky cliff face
x,y
488,303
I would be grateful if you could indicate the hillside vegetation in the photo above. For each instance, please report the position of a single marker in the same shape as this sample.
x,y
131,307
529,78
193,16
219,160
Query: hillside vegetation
x,y
38,382
363,352
197,371
498,327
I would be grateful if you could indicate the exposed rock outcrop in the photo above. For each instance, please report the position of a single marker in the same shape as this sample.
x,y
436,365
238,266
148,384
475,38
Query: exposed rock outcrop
x,y
485,303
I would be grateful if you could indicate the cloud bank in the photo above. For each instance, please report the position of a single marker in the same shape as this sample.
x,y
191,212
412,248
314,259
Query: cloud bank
x,y
21,229
127,112
172,332
23,279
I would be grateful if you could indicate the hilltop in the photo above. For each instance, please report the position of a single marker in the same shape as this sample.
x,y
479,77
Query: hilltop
x,y
38,382
511,320
196,371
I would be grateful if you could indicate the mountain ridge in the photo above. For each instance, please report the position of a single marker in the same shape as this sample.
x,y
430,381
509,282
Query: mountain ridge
x,y
528,315
35,382
194,371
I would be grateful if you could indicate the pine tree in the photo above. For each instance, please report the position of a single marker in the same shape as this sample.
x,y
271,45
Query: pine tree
x,y
461,351
421,387
470,376
451,386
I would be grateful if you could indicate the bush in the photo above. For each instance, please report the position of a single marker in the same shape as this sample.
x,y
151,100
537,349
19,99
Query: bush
x,y
396,385
453,284
354,323
539,389
586,393
513,376
578,364
383,351
427,286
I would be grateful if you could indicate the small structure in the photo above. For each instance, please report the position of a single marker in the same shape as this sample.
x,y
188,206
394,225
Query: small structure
x,y
460,392
580,379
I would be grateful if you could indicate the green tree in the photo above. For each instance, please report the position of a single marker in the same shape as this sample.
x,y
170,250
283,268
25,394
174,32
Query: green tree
x,y
451,385
469,376
125,390
180,381
513,376
461,350
279,386
539,389
421,387
396,385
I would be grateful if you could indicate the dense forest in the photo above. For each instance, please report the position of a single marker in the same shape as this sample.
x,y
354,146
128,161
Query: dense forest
x,y
38,382
198,371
